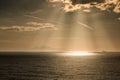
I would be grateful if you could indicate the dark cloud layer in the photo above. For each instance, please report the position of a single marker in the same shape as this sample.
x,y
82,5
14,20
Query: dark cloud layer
x,y
85,1
21,4
12,8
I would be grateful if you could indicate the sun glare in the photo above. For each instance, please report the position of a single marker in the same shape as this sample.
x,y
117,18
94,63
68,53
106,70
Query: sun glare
x,y
77,53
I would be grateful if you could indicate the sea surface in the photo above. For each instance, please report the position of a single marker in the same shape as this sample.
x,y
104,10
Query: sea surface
x,y
47,66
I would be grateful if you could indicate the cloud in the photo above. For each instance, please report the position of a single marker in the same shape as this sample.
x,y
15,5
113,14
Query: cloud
x,y
119,18
30,26
69,5
42,25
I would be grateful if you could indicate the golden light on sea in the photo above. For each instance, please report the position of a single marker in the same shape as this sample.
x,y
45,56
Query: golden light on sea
x,y
78,53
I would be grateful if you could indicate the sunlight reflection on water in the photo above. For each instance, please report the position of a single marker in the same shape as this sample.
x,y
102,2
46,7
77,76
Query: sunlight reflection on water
x,y
78,53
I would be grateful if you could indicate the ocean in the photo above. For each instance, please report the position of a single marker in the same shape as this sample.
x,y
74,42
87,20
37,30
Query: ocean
x,y
47,66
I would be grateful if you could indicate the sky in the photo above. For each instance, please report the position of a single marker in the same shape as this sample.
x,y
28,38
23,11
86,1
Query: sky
x,y
59,25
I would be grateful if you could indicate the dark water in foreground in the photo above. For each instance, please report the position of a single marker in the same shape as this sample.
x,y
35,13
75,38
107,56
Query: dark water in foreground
x,y
56,67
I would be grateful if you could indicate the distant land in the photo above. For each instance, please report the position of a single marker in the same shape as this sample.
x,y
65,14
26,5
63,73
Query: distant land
x,y
47,52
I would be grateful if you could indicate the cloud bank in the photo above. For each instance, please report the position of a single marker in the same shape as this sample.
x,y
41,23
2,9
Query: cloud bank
x,y
72,5
30,26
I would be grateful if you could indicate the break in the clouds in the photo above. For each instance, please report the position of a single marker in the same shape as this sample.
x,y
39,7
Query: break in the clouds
x,y
30,26
72,5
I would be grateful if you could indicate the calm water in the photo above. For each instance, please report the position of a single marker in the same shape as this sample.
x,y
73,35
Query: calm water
x,y
56,67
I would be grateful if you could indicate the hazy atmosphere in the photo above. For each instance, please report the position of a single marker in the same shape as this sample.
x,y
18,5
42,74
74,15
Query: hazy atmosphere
x,y
59,39
59,25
